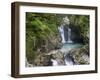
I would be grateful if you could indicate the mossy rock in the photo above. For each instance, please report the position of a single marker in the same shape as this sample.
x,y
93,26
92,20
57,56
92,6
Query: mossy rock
x,y
42,60
80,55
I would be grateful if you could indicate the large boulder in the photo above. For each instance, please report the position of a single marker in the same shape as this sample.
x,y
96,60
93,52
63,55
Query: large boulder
x,y
45,59
81,55
58,56
42,60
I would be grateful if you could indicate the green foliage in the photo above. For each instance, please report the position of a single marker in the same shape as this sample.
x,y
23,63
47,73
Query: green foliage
x,y
40,28
29,51
42,31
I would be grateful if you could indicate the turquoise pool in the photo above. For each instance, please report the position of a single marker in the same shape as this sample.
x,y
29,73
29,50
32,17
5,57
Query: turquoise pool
x,y
72,45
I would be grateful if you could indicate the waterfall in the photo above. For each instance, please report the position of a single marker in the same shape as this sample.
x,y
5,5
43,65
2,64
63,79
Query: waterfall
x,y
61,30
68,63
54,62
69,36
68,60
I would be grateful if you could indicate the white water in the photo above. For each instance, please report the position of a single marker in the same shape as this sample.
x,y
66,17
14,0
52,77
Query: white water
x,y
55,63
68,60
68,63
61,30
69,36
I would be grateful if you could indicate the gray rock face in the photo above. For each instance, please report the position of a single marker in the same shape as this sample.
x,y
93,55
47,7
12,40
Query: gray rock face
x,y
42,60
81,55
47,58
58,56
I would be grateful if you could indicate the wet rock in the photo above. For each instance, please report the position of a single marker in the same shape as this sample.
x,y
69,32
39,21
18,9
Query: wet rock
x,y
81,55
47,59
58,56
42,60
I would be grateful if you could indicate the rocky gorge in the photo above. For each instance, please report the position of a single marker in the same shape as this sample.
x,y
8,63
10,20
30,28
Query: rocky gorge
x,y
79,56
52,44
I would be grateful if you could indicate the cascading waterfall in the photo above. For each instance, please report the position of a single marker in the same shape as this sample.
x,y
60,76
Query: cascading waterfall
x,y
55,63
67,59
61,30
69,36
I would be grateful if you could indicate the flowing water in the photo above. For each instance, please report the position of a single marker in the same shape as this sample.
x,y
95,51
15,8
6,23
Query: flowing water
x,y
61,30
67,45
71,45
69,36
66,48
54,62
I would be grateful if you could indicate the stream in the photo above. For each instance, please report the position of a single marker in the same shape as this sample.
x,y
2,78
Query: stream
x,y
67,46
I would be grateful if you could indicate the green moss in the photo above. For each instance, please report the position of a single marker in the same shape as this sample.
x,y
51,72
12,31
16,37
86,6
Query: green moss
x,y
82,62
